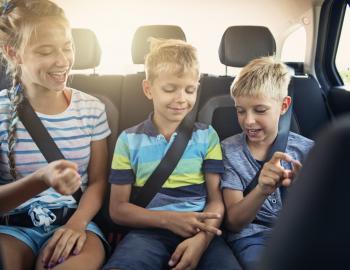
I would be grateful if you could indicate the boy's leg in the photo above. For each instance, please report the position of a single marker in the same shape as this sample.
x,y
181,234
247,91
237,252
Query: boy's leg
x,y
249,249
15,254
218,256
144,249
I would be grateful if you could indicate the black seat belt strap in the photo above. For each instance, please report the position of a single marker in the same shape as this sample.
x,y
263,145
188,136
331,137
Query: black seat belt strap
x,y
41,136
280,142
167,164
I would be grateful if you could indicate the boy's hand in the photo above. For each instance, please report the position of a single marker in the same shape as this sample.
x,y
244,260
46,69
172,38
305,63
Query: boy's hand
x,y
61,175
187,224
274,175
188,253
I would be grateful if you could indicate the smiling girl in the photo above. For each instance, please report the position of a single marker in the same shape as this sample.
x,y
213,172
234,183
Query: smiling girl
x,y
40,223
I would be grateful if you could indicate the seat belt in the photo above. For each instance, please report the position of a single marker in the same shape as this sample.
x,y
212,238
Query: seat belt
x,y
279,144
166,165
41,136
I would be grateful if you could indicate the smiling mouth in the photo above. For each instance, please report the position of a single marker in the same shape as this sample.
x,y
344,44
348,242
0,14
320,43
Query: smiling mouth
x,y
252,132
58,76
178,109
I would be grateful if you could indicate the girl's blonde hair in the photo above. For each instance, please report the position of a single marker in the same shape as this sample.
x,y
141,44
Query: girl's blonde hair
x,y
265,76
170,55
18,21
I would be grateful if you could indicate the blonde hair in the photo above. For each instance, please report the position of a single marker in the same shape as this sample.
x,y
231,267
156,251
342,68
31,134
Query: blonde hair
x,y
265,76
18,21
170,55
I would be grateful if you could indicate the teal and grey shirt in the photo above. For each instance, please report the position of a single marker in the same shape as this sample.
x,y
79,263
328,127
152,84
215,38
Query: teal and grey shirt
x,y
140,149
241,167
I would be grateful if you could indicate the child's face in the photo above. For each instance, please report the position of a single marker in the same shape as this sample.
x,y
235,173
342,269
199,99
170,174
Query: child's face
x,y
173,97
47,59
259,116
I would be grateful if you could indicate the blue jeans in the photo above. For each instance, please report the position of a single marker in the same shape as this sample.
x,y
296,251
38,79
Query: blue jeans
x,y
151,250
36,237
249,249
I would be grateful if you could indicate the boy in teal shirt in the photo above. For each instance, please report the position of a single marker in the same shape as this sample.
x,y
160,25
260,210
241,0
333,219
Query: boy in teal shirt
x,y
182,219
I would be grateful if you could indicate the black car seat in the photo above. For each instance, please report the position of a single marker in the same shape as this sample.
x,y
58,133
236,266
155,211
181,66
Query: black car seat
x,y
239,45
313,229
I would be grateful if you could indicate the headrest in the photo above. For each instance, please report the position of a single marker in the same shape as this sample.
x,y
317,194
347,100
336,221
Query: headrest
x,y
87,49
140,46
240,44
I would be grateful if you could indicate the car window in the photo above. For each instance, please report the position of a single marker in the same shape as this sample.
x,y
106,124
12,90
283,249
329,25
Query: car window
x,y
343,54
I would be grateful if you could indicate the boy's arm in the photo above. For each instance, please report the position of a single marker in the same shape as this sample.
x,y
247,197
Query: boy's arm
x,y
189,252
214,203
242,210
184,224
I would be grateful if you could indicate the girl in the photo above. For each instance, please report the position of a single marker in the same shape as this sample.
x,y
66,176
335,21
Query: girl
x,y
36,44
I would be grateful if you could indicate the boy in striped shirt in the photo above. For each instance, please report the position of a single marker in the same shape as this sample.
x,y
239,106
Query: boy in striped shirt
x,y
182,219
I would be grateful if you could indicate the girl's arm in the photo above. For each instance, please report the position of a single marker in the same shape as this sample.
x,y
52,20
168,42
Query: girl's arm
x,y
61,175
92,198
71,237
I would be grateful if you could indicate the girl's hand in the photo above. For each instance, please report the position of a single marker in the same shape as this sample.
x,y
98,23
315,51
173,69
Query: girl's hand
x,y
61,175
67,240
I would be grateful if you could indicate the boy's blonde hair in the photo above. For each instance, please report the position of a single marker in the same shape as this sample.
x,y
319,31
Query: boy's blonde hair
x,y
170,55
265,76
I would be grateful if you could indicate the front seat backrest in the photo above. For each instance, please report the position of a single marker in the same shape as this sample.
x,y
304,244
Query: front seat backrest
x,y
313,229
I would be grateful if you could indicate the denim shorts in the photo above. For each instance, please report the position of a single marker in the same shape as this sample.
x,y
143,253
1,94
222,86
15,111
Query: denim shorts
x,y
151,250
36,237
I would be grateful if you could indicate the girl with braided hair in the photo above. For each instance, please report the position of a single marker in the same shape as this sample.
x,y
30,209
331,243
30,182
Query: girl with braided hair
x,y
41,224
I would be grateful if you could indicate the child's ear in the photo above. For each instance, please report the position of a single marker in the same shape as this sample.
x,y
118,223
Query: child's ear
x,y
146,86
285,104
12,54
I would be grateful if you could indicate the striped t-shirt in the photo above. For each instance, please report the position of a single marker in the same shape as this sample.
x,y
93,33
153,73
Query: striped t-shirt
x,y
73,131
140,149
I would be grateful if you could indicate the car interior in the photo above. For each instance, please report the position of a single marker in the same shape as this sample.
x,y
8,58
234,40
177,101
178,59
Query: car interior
x,y
309,234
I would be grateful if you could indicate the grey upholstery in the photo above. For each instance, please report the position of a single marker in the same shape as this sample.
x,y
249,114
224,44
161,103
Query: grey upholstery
x,y
140,46
87,49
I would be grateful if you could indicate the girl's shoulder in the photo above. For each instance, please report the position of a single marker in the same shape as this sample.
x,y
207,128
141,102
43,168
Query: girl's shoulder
x,y
83,100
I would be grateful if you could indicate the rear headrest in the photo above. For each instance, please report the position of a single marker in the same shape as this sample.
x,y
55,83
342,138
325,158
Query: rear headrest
x,y
240,44
140,46
87,49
